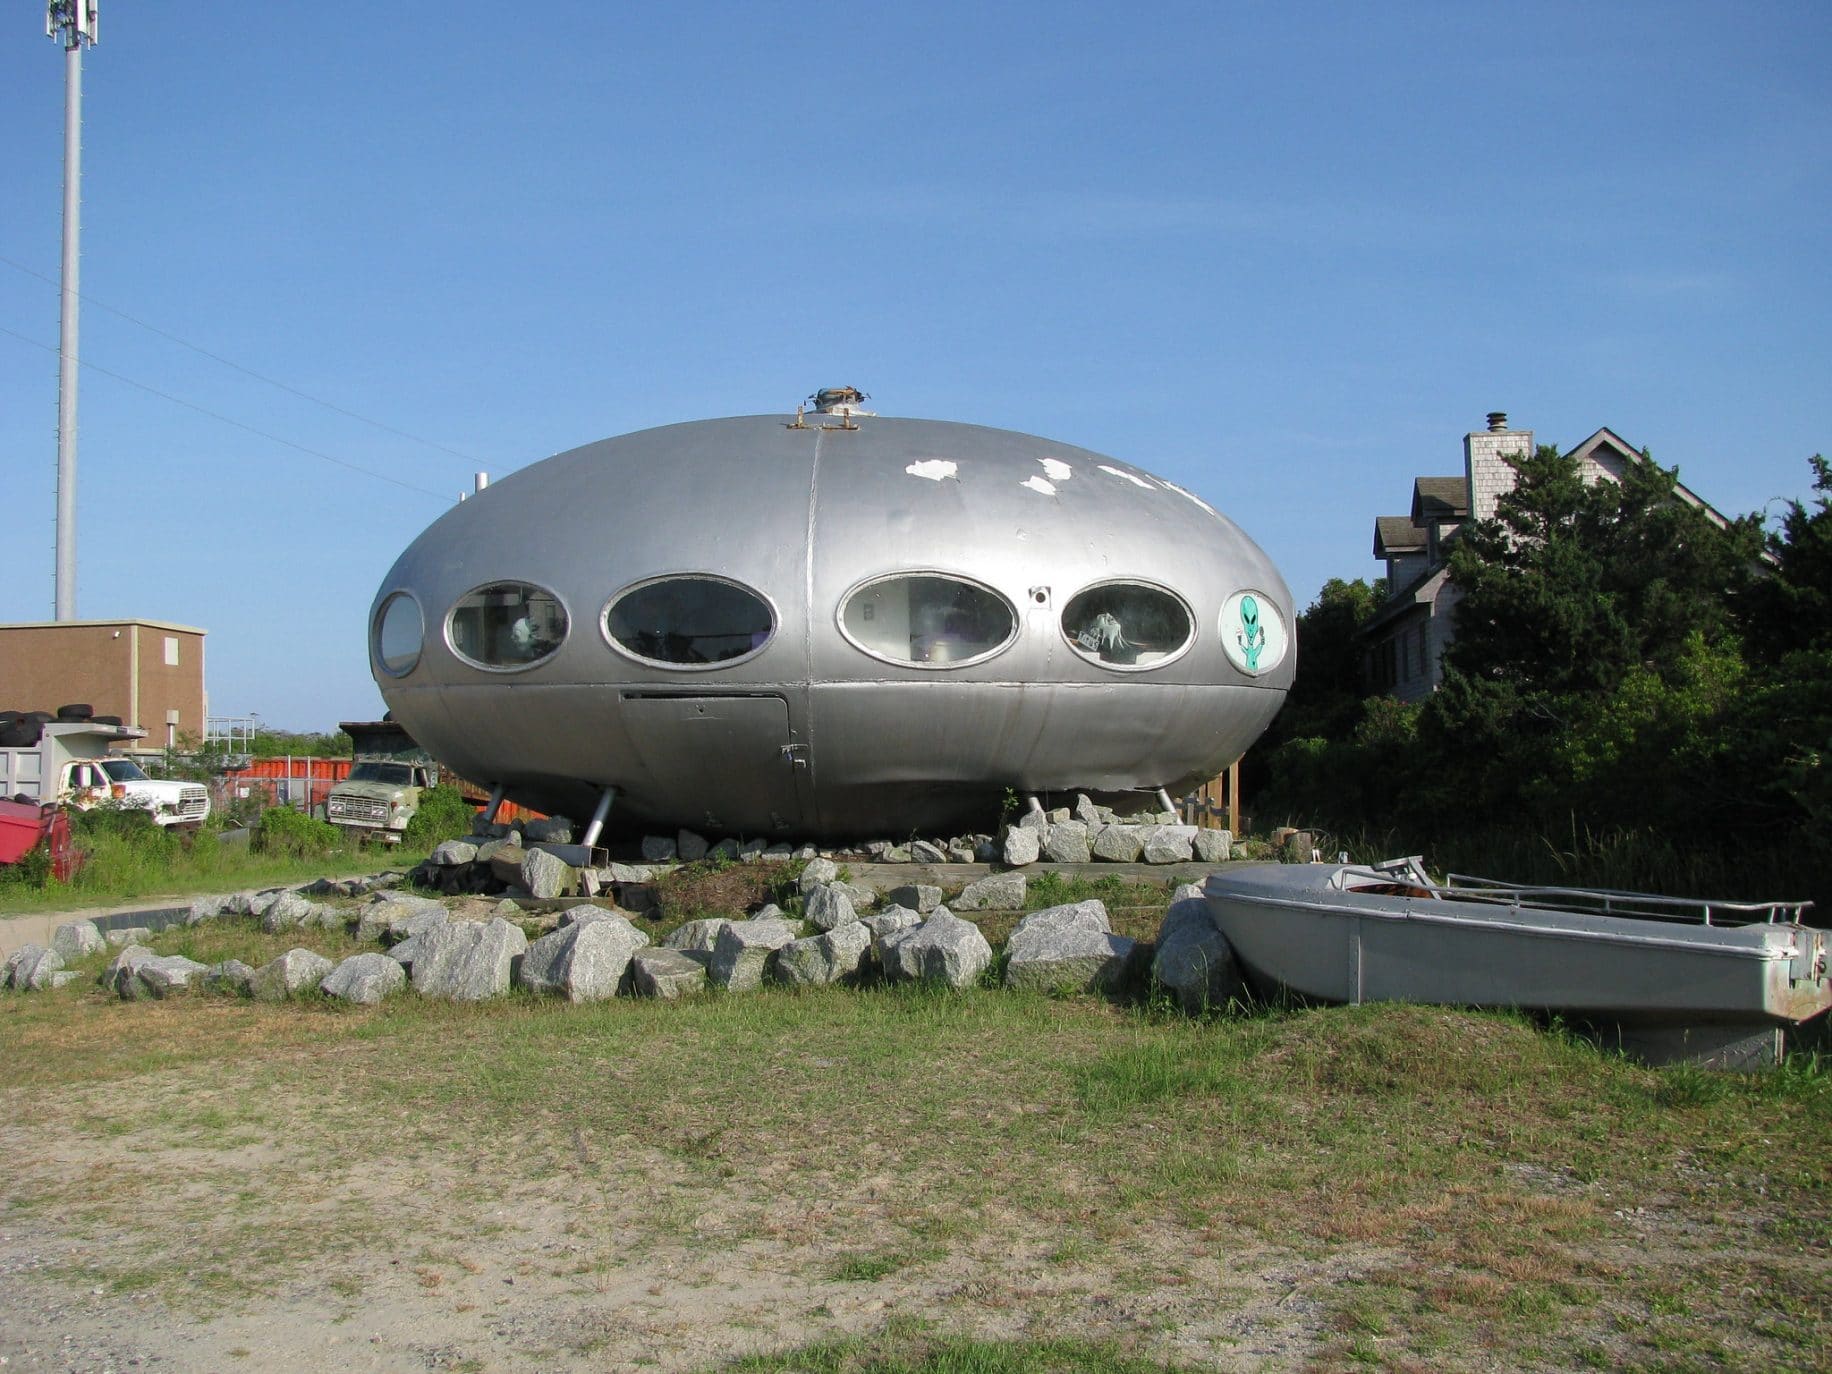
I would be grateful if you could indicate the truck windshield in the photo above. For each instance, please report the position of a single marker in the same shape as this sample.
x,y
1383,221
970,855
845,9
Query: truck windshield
x,y
123,770
395,774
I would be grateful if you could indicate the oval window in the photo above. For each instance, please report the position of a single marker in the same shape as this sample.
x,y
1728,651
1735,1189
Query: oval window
x,y
507,625
1253,632
689,622
1127,625
398,633
928,619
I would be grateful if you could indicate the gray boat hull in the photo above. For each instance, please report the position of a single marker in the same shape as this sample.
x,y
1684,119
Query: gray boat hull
x,y
1666,989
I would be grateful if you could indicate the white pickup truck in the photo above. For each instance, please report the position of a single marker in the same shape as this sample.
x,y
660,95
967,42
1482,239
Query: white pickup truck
x,y
71,764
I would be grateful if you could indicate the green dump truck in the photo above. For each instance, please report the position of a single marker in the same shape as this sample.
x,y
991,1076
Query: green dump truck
x,y
388,772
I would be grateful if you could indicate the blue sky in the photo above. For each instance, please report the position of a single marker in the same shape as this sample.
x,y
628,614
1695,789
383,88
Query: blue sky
x,y
1284,255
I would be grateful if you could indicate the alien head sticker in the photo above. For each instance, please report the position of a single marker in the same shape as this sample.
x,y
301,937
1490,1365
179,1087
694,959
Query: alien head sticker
x,y
1253,632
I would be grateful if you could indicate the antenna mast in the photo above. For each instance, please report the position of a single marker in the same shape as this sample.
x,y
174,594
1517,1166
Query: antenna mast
x,y
76,23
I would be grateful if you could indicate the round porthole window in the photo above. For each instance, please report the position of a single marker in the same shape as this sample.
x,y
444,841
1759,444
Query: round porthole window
x,y
507,625
397,635
1253,632
689,622
928,619
1131,625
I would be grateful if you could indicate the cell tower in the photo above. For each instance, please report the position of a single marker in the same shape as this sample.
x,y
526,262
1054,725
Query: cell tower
x,y
76,23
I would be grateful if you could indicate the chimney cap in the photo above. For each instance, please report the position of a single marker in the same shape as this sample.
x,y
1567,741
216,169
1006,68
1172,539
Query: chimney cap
x,y
1497,421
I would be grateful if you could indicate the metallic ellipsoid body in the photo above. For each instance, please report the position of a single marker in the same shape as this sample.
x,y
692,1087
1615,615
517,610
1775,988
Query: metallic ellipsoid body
x,y
911,617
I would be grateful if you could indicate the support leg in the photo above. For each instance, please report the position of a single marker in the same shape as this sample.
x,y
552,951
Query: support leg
x,y
602,810
496,803
1165,803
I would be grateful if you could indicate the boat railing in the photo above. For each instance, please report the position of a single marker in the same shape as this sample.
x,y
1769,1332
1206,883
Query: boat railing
x,y
1611,902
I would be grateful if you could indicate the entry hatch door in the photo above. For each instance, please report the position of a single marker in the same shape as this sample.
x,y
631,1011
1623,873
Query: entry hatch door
x,y
728,760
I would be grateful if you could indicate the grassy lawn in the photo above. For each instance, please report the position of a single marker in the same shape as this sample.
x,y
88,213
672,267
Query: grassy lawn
x,y
1041,1183
204,865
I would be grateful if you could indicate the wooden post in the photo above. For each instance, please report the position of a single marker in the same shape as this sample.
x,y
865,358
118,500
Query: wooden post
x,y
1234,799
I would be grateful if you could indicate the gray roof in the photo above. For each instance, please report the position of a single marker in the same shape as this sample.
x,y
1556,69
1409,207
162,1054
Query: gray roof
x,y
1439,498
1395,535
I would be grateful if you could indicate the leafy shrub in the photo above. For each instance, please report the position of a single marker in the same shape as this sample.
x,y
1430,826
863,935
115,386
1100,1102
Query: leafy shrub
x,y
443,814
131,827
123,848
32,870
285,831
245,810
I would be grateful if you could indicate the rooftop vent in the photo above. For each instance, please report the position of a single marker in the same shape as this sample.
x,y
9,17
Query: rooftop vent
x,y
840,400
1498,421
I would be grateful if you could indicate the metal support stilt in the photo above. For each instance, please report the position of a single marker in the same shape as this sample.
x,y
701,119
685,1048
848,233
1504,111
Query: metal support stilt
x,y
596,824
496,802
1164,801
1034,806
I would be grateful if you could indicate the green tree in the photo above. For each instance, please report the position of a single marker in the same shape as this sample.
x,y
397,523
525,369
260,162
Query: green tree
x,y
1325,697
1573,585
269,744
1298,758
1792,608
1596,645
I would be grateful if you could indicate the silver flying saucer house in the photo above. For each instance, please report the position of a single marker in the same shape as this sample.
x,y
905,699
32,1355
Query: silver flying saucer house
x,y
830,625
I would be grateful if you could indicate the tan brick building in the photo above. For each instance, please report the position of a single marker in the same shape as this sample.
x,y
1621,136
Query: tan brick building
x,y
147,672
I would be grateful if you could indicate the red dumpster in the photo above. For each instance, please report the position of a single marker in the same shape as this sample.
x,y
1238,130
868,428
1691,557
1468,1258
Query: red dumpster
x,y
26,825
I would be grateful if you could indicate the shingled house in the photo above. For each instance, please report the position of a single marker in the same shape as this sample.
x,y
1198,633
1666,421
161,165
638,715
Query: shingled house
x,y
1407,636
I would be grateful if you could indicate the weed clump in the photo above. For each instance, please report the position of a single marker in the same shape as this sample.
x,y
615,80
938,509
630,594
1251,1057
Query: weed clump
x,y
293,833
717,887
443,814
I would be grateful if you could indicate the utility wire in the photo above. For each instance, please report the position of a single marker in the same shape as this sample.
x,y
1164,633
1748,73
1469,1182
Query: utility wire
x,y
261,433
249,371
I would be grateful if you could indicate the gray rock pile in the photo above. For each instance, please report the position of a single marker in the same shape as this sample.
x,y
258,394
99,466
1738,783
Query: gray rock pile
x,y
742,952
1090,833
942,949
31,968
468,961
587,959
836,932
1068,949
364,979
1193,960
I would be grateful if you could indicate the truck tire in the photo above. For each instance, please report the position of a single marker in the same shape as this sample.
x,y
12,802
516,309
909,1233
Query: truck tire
x,y
104,720
42,717
81,710
21,734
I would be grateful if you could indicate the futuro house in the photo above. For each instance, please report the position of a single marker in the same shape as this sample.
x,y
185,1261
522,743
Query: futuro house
x,y
827,626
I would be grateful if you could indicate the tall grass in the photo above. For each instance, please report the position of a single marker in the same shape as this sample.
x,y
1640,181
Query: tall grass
x,y
126,857
1640,860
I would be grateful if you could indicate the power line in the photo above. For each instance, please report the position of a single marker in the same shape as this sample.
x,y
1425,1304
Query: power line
x,y
249,371
261,433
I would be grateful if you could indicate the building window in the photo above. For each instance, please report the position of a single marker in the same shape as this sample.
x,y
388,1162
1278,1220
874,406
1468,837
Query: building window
x,y
930,620
171,651
507,625
397,635
689,622
1127,625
